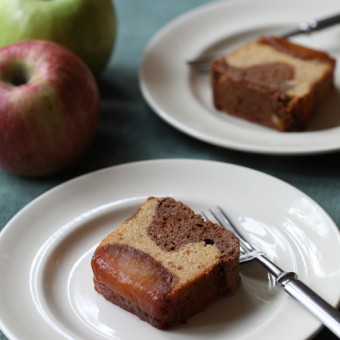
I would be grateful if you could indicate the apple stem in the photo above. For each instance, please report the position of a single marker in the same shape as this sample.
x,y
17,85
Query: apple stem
x,y
17,75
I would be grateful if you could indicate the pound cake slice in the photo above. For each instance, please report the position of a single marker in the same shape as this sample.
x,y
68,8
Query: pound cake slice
x,y
273,82
166,263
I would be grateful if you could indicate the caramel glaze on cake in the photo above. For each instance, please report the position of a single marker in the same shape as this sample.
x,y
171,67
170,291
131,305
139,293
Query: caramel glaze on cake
x,y
273,82
165,263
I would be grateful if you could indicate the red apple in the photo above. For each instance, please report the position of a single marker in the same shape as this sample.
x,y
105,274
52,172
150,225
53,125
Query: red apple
x,y
49,108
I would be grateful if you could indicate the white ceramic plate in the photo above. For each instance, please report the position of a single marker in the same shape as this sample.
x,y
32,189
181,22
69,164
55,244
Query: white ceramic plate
x,y
46,288
183,98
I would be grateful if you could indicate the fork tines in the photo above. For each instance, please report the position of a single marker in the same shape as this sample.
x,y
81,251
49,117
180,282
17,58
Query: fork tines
x,y
226,222
201,64
248,252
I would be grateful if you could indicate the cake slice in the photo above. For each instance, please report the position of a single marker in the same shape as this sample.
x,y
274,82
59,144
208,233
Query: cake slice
x,y
273,82
166,263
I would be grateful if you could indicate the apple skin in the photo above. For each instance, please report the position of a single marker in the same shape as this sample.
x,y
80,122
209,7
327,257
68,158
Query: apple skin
x,y
49,108
86,27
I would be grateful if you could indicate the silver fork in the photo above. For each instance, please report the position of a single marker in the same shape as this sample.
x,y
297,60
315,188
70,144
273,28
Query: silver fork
x,y
306,27
321,309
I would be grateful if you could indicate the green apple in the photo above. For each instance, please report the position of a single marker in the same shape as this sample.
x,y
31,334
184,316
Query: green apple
x,y
87,27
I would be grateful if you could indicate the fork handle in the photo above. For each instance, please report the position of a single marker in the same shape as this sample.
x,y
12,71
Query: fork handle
x,y
321,309
307,27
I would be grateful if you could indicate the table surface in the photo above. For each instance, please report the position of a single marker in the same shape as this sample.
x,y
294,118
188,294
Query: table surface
x,y
130,131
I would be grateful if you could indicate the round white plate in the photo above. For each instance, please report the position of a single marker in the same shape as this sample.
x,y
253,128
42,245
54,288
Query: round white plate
x,y
46,288
183,98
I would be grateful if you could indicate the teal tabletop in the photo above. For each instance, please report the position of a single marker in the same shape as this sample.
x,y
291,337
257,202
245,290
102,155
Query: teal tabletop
x,y
129,129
